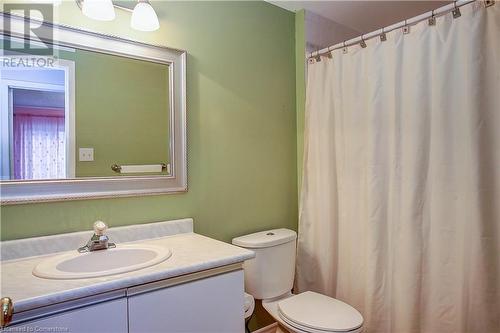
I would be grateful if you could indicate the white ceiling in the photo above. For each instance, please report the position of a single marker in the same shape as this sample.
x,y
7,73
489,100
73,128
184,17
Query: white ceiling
x,y
37,98
363,16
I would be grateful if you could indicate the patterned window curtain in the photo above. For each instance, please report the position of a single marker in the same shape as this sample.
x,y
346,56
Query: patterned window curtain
x,y
39,147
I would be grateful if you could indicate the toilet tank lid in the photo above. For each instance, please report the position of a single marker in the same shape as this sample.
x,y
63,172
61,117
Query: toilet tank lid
x,y
266,238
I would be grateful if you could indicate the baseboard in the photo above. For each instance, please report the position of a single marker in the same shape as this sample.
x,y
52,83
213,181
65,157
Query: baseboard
x,y
267,329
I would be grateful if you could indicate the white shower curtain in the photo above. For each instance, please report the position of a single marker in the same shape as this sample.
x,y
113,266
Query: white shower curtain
x,y
400,207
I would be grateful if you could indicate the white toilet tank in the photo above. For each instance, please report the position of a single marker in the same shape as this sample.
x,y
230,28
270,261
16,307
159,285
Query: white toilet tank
x,y
270,274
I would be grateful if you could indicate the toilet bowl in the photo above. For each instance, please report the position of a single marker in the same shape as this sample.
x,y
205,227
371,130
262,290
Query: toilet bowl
x,y
269,277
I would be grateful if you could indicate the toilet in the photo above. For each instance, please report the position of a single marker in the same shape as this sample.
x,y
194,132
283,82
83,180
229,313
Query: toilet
x,y
269,277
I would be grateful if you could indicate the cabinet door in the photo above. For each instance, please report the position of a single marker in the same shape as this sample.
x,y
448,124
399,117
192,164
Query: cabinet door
x,y
109,317
209,305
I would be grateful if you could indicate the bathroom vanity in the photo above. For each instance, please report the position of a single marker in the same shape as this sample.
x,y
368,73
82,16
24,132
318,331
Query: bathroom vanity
x,y
201,279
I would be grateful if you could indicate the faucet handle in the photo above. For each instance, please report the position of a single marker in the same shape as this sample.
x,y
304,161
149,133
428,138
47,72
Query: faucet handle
x,y
100,228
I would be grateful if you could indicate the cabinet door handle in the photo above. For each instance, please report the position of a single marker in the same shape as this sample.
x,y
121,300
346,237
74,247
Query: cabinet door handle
x,y
7,311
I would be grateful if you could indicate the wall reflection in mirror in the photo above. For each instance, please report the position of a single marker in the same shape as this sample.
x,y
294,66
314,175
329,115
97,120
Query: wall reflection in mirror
x,y
83,113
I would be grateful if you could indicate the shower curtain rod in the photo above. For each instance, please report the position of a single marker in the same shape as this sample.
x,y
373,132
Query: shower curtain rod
x,y
409,22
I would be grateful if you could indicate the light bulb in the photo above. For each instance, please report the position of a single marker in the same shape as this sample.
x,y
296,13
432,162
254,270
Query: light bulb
x,y
101,10
144,17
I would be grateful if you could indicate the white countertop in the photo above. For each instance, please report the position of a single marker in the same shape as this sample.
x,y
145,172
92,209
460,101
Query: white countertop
x,y
190,253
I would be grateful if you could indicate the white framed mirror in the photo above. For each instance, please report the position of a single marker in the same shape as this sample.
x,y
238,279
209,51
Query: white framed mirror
x,y
100,116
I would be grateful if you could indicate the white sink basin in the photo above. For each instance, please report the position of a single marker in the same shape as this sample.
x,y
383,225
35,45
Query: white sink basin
x,y
122,259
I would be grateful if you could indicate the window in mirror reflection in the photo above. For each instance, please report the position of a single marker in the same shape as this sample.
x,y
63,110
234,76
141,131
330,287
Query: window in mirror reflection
x,y
34,126
38,134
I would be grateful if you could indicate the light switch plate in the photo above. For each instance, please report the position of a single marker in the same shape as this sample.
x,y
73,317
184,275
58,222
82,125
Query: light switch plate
x,y
86,154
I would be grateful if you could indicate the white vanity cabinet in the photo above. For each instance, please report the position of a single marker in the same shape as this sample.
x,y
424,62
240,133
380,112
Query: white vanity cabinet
x,y
209,305
110,317
209,301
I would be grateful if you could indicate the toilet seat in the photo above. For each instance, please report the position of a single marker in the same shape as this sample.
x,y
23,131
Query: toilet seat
x,y
315,313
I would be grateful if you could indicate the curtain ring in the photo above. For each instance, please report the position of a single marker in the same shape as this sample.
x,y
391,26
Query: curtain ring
x,y
406,28
344,49
488,3
329,53
383,36
362,43
456,11
432,19
318,56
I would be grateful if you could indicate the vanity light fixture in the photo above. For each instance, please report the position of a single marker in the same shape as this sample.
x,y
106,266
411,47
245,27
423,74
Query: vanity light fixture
x,y
144,17
101,10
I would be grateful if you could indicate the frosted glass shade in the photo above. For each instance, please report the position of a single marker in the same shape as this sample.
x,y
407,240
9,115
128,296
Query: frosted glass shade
x,y
144,17
101,10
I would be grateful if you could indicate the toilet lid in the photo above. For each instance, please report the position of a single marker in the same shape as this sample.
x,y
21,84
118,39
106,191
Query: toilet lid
x,y
320,312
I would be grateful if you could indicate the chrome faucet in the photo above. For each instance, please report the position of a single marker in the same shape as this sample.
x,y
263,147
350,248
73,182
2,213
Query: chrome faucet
x,y
99,240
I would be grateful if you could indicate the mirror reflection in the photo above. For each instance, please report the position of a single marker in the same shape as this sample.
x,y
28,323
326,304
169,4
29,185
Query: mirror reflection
x,y
82,114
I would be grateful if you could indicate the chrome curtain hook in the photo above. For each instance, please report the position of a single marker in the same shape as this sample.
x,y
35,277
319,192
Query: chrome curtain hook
x,y
456,11
383,36
432,19
318,56
406,28
344,49
329,53
488,3
362,43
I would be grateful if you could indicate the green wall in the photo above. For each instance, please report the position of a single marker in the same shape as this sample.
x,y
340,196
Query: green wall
x,y
121,111
300,87
241,103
